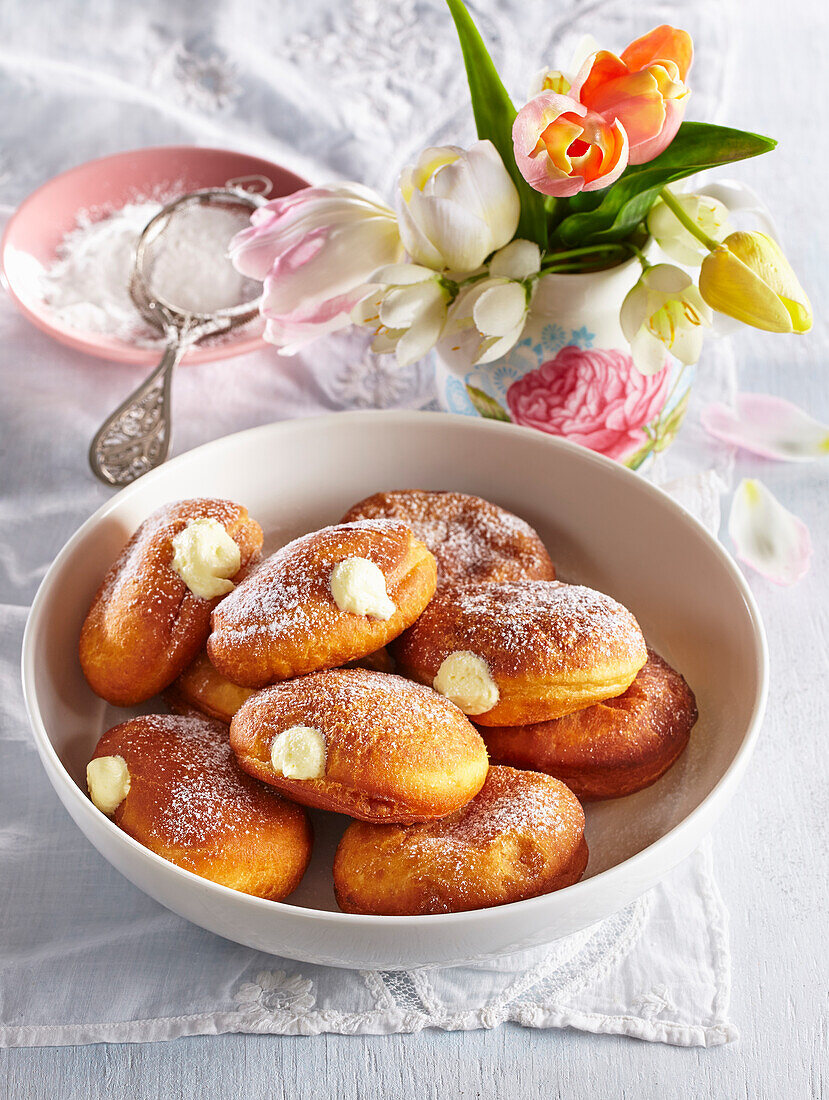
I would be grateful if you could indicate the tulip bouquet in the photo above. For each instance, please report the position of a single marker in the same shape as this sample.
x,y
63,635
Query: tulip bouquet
x,y
581,179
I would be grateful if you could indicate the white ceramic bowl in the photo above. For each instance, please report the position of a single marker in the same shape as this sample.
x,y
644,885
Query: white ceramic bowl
x,y
603,525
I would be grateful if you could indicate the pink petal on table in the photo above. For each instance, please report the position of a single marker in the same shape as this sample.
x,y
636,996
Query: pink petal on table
x,y
766,536
769,426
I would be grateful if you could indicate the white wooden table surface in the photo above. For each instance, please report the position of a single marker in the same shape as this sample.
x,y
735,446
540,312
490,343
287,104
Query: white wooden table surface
x,y
771,844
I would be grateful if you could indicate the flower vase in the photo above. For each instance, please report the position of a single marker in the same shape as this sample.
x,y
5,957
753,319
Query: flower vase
x,y
571,374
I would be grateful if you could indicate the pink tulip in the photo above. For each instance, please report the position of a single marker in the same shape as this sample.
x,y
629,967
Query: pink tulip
x,y
315,251
562,148
643,89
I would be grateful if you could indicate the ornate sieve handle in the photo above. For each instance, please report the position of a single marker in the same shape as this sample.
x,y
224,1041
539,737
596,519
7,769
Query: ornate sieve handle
x,y
136,437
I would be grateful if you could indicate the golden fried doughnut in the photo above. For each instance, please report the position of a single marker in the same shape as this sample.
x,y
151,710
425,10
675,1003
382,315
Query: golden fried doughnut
x,y
611,748
526,651
186,799
285,620
202,688
145,624
521,836
471,539
362,743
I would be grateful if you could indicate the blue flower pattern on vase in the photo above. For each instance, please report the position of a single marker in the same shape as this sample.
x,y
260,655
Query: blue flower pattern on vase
x,y
457,397
553,337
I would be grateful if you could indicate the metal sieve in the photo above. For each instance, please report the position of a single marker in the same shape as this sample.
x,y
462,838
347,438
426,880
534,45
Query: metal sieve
x,y
136,437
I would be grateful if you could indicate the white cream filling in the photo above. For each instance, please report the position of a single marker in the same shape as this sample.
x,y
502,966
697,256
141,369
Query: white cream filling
x,y
464,678
205,556
299,753
108,780
359,587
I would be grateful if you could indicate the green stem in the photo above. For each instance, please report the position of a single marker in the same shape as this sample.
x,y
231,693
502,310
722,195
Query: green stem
x,y
675,207
641,257
673,388
588,250
473,279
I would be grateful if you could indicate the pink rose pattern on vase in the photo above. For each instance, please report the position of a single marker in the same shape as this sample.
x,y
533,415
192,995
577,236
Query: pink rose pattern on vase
x,y
596,398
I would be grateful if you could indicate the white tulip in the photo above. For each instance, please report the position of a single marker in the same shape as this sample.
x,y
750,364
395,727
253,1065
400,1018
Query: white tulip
x,y
406,309
315,250
457,207
675,240
488,317
664,312
554,80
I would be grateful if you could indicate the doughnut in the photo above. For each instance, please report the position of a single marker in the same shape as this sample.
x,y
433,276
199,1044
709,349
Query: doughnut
x,y
611,748
151,615
326,598
524,651
366,744
173,784
202,689
521,836
471,539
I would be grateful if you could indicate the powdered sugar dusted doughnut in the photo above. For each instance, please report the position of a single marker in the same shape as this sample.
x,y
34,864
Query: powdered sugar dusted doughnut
x,y
150,616
370,745
526,651
185,798
301,610
611,748
521,836
471,539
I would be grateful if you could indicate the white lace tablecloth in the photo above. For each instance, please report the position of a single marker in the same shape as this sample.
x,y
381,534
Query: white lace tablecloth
x,y
332,90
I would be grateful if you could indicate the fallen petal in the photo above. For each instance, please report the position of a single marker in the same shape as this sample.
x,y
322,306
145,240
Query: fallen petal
x,y
768,426
766,536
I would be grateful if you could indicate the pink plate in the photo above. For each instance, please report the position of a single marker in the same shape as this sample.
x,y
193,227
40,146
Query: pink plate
x,y
100,186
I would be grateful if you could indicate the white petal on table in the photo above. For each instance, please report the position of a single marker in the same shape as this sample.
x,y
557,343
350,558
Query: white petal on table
x,y
766,536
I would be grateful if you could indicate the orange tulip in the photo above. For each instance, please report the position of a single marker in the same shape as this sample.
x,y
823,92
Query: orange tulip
x,y
644,89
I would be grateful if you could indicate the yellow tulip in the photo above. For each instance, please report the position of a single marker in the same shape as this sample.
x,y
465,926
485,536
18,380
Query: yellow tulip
x,y
749,278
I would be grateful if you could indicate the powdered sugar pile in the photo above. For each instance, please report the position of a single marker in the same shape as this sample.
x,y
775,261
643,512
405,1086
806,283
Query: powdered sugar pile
x,y
87,286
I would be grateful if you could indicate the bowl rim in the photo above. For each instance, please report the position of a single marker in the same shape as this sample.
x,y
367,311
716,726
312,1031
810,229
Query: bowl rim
x,y
101,345
601,882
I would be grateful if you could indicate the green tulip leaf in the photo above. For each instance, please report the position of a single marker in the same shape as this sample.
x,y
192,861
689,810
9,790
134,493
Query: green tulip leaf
x,y
696,147
494,116
487,406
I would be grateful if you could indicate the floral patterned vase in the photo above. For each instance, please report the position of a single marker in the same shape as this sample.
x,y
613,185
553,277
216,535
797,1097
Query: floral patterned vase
x,y
571,373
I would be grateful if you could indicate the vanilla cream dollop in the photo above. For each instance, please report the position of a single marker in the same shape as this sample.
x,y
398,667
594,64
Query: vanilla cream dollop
x,y
205,556
359,586
299,753
108,780
464,678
